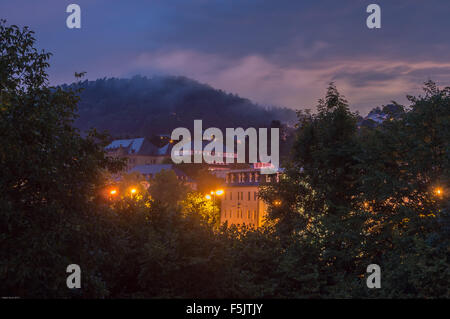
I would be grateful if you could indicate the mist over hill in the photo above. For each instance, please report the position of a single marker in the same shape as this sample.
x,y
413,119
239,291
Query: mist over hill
x,y
143,106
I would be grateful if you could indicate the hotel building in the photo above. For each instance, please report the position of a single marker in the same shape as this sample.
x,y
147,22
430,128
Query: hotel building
x,y
240,203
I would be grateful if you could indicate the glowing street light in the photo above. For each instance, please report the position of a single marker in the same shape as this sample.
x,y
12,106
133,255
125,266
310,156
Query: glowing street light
x,y
438,191
207,196
218,192
113,192
133,191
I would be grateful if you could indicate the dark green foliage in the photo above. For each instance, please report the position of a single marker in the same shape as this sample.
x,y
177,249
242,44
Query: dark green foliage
x,y
167,190
368,195
349,197
50,176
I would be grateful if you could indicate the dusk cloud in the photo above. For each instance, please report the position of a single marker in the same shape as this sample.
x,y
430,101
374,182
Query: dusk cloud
x,y
275,53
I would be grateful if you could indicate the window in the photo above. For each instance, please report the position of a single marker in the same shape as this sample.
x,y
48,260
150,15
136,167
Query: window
x,y
248,195
242,195
255,195
231,195
248,214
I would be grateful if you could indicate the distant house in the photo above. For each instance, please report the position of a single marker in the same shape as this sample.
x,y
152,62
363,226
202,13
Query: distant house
x,y
139,151
149,172
240,202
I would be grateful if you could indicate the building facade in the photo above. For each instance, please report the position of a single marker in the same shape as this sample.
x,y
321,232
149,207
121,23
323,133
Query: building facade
x,y
139,151
240,203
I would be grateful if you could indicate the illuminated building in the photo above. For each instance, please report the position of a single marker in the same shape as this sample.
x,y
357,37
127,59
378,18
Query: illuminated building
x,y
240,202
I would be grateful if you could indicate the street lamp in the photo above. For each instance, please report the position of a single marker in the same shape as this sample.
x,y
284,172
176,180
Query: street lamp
x,y
218,192
112,193
438,191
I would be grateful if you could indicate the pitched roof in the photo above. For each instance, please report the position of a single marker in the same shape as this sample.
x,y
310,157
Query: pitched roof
x,y
141,146
134,145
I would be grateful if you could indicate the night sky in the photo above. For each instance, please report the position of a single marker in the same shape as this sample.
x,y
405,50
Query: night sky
x,y
275,52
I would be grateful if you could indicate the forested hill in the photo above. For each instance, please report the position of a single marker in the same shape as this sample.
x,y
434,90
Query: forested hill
x,y
143,106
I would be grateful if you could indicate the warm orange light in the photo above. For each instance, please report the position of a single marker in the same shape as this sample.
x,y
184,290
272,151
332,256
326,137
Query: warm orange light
x,y
133,190
277,202
219,192
208,196
113,192
212,192
438,191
